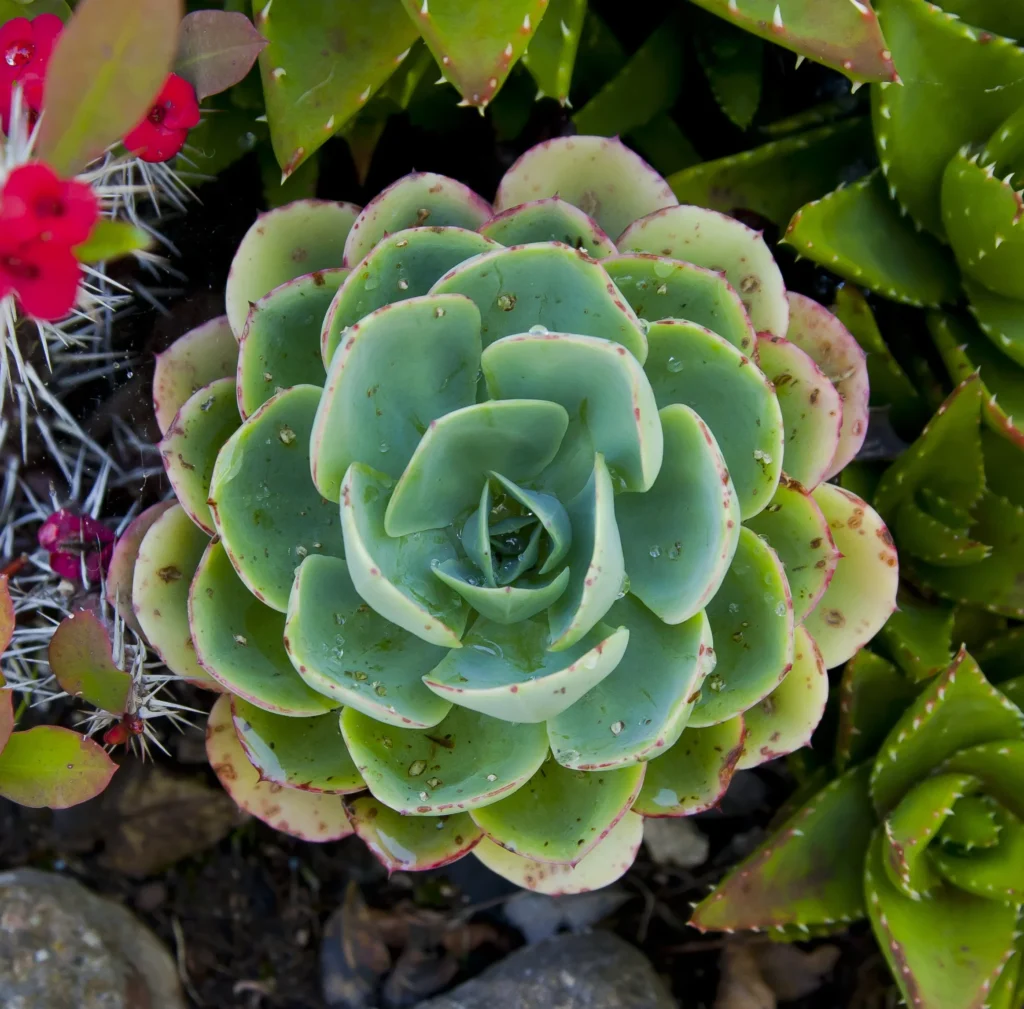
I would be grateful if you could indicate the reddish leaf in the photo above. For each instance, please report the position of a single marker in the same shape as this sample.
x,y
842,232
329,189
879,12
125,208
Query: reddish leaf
x,y
81,659
6,717
52,766
109,64
216,49
6,614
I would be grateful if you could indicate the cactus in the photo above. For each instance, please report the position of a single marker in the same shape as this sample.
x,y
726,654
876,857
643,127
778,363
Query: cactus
x,y
519,527
924,838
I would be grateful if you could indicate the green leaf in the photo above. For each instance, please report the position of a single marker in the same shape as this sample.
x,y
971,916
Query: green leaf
x,y
412,843
862,593
476,45
751,619
691,365
508,604
809,871
306,753
216,49
975,78
733,62
679,537
958,709
311,816
548,511
598,868
600,175
168,557
709,239
648,84
189,448
778,178
859,233
467,760
81,658
561,815
399,370
121,569
111,240
833,32
239,641
53,766
10,9
615,723
695,773
997,765
552,53
108,65
507,672
333,58
549,220
202,355
1000,319
346,650
548,285
283,244
919,636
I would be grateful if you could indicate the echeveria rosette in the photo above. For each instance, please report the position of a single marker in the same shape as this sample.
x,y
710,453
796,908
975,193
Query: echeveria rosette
x,y
518,499
925,837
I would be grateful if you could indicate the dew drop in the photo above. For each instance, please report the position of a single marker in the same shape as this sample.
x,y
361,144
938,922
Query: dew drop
x,y
403,285
438,312
372,283
380,690
715,683
492,777
384,448
538,330
780,610
339,619
401,243
664,268
287,435
385,741
674,365
434,782
624,587
734,607
655,551
617,727
417,767
645,326
424,796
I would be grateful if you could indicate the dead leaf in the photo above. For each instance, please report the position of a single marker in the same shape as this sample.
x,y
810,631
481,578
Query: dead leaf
x,y
759,975
422,968
353,956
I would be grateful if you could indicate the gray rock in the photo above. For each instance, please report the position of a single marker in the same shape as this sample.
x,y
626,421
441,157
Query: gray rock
x,y
593,971
62,947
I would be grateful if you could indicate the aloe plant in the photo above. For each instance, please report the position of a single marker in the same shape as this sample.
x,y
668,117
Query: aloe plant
x,y
923,837
522,529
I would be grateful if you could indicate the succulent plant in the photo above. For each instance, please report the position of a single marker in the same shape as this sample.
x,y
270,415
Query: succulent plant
x,y
920,830
543,513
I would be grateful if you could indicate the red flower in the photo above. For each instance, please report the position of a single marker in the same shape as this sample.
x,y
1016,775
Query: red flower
x,y
25,48
162,133
43,275
69,538
36,204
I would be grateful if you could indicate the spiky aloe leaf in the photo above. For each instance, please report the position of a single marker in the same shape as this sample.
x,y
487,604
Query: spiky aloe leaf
x,y
284,244
858,232
839,34
552,53
999,318
602,865
81,658
310,816
778,178
919,636
975,77
809,872
412,842
733,62
320,67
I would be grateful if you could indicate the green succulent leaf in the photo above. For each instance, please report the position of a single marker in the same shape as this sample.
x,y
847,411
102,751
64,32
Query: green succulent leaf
x,y
660,288
601,866
919,636
858,232
507,604
198,358
169,554
561,815
778,178
600,175
400,369
346,650
189,447
417,200
712,240
280,344
288,242
751,618
266,510
412,843
679,537
783,721
306,753
810,871
691,365
121,569
549,220
795,528
548,511
239,642
396,575
694,774
614,723
544,285
403,265
997,765
467,760
862,593
835,33
81,658
508,672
